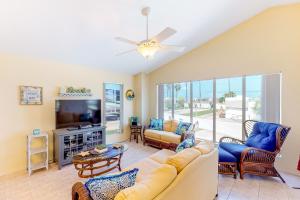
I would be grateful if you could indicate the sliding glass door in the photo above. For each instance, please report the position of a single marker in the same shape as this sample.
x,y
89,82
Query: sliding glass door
x,y
220,106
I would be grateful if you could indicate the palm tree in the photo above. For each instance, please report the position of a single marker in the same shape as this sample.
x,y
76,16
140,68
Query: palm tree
x,y
186,91
229,87
177,87
169,89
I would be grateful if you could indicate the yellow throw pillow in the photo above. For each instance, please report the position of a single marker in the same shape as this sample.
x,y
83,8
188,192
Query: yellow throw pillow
x,y
181,159
204,147
168,126
174,126
151,185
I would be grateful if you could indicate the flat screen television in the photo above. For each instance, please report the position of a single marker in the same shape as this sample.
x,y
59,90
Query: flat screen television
x,y
75,113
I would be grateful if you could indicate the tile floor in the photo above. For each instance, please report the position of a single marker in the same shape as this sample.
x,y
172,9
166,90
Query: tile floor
x,y
56,184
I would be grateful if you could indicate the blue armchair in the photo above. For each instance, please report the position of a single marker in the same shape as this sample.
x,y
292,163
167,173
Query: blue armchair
x,y
257,154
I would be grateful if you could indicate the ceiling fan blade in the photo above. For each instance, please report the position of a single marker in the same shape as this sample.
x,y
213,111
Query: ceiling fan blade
x,y
125,52
165,34
126,40
172,48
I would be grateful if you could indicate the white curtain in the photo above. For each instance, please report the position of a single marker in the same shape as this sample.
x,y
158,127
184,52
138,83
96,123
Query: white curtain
x,y
270,98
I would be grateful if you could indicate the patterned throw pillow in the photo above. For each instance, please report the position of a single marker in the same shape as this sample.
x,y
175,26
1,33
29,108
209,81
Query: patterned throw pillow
x,y
107,187
187,143
182,127
156,124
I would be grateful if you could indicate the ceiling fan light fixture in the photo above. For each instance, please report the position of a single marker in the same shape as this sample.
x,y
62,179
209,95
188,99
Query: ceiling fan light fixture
x,y
148,49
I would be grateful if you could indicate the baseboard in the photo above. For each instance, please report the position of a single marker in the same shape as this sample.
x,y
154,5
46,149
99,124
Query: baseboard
x,y
21,172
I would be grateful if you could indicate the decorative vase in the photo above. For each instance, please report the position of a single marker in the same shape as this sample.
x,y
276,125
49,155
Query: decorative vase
x,y
36,131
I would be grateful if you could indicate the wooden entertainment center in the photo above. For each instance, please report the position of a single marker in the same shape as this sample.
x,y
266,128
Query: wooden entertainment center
x,y
71,142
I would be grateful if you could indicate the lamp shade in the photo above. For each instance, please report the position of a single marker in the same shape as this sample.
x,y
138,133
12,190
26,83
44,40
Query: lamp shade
x,y
148,49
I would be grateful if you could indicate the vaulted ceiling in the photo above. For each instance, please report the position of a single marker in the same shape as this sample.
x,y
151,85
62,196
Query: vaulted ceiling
x,y
83,31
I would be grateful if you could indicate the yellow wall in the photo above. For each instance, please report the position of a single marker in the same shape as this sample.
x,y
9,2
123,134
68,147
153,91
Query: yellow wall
x,y
141,101
267,43
17,121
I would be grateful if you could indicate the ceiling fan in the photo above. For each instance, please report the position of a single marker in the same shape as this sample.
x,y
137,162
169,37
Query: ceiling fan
x,y
150,46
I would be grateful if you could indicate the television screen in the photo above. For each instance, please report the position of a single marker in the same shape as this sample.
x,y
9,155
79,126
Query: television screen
x,y
74,113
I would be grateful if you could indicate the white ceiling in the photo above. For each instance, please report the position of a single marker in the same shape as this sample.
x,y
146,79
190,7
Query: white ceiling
x,y
82,31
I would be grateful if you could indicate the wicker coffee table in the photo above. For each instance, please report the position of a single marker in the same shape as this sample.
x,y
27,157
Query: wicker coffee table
x,y
97,164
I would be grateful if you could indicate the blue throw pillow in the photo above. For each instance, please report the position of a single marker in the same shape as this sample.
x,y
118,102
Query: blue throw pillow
x,y
182,127
107,187
156,124
187,143
263,136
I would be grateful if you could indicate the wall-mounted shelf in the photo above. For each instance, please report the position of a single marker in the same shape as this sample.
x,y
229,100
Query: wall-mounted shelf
x,y
75,94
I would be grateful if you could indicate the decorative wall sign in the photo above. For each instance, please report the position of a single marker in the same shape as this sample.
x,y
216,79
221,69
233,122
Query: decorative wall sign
x,y
71,91
130,94
30,95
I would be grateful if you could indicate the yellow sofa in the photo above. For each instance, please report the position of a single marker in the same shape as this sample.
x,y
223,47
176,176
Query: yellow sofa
x,y
165,139
167,175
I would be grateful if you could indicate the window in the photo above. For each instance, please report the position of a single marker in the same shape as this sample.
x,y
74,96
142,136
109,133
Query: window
x,y
168,93
254,97
113,107
229,106
203,108
220,106
182,102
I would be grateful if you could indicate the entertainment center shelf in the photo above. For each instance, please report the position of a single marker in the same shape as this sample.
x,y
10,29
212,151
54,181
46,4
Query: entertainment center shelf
x,y
69,143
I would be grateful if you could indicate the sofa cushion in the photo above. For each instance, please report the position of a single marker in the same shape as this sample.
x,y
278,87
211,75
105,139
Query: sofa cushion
x,y
181,159
168,125
187,143
156,124
234,149
146,166
151,186
263,136
108,186
162,156
205,146
182,127
154,134
225,156
170,137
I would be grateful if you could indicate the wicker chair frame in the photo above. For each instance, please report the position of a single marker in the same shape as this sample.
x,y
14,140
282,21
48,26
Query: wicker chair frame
x,y
228,168
257,161
160,144
79,192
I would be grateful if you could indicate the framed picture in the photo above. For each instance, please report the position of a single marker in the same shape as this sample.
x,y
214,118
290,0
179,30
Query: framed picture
x,y
130,94
30,95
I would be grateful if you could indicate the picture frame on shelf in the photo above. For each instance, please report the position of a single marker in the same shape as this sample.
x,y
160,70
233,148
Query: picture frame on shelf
x,y
31,95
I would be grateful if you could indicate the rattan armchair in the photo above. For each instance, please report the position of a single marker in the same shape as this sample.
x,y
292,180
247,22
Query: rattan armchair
x,y
258,161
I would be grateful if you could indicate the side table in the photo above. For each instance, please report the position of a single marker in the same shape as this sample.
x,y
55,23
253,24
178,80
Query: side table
x,y
136,131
